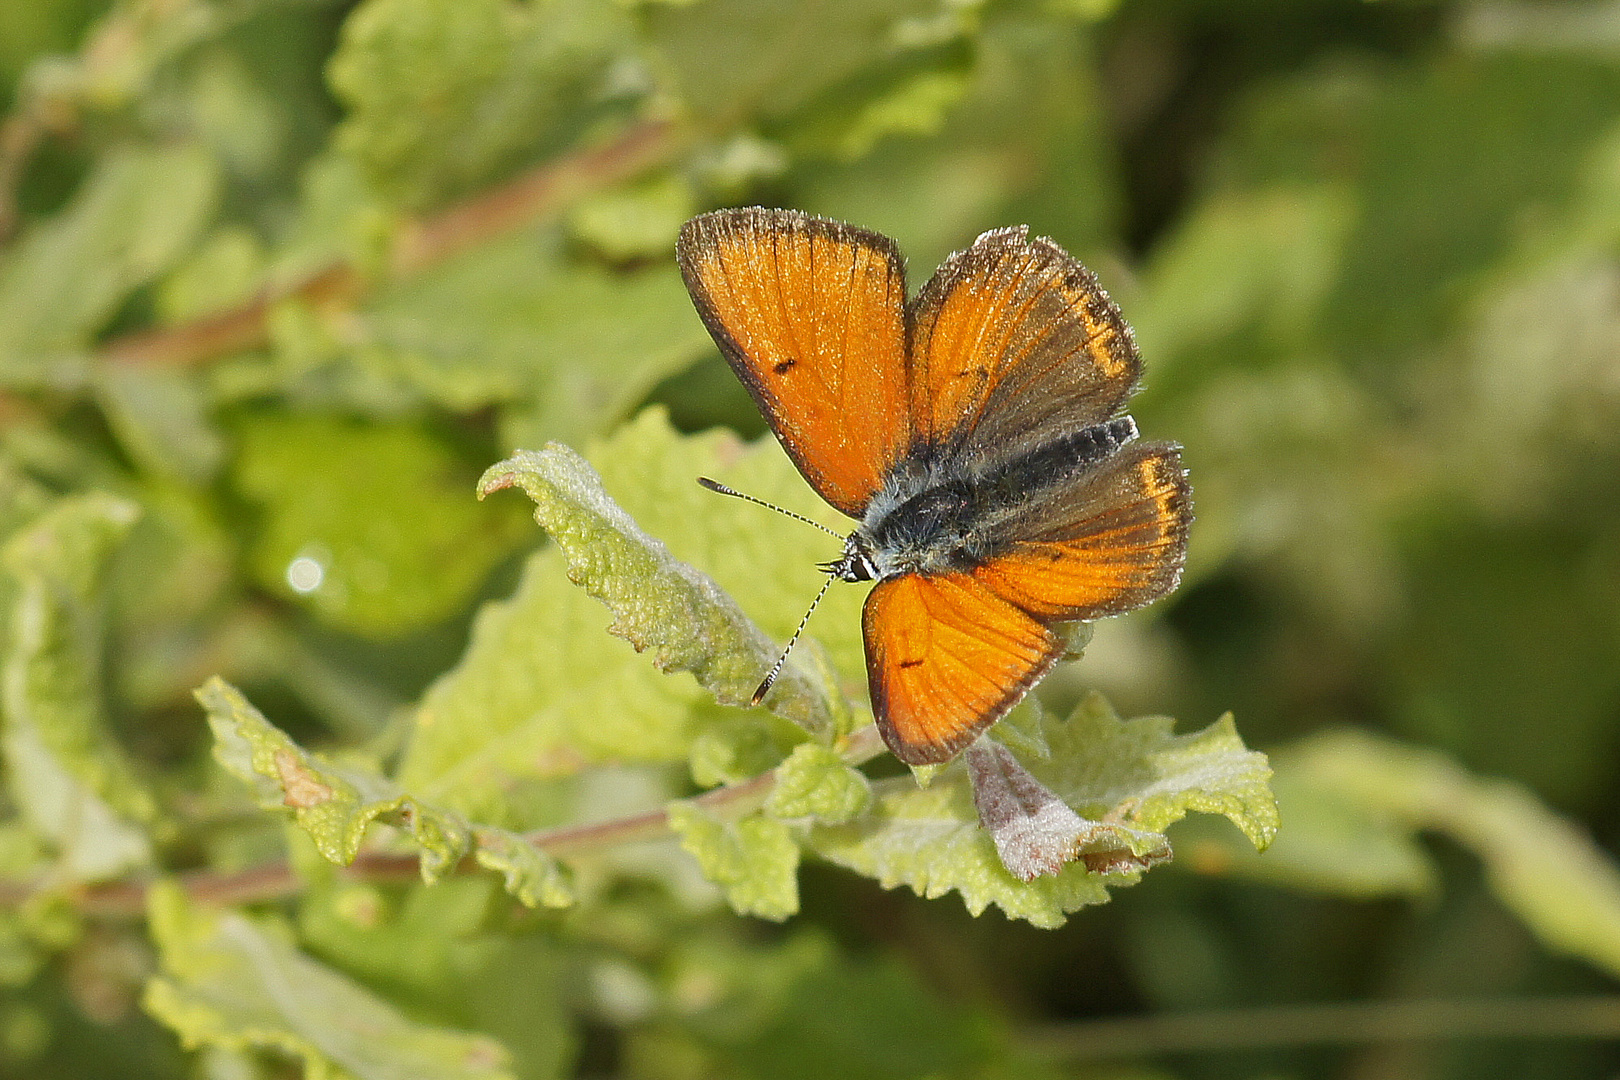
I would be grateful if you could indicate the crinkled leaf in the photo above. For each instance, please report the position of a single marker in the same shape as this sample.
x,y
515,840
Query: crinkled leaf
x,y
755,859
534,878
658,602
764,560
543,690
233,982
446,94
565,349
1541,865
65,772
336,804
815,782
131,220
375,517
1134,774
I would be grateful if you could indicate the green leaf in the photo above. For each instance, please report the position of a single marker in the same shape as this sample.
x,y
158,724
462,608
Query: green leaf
x,y
638,221
534,878
1440,199
1136,775
444,95
860,1018
1332,844
565,349
755,860
336,804
765,560
368,523
909,97
161,420
658,602
65,772
543,690
132,219
238,983
815,782
1242,267
734,61
1542,866
449,953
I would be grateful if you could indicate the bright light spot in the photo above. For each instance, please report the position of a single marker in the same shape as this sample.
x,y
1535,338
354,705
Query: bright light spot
x,y
304,574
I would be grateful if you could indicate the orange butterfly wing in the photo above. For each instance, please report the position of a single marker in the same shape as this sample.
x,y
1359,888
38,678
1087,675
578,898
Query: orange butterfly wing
x,y
946,658
1110,542
810,313
949,654
1014,343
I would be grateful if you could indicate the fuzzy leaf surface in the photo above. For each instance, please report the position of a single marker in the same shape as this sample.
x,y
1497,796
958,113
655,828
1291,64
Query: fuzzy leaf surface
x,y
542,691
754,859
1134,774
336,804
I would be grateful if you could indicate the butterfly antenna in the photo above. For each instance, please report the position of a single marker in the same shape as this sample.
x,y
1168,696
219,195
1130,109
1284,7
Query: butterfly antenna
x,y
776,668
715,485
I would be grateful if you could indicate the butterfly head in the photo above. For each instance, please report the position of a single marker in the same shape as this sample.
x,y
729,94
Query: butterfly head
x,y
857,563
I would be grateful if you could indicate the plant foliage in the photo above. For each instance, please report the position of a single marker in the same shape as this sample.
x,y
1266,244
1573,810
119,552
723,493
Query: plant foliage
x,y
319,757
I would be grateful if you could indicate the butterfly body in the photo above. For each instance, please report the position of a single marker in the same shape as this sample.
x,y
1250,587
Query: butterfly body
x,y
929,519
974,432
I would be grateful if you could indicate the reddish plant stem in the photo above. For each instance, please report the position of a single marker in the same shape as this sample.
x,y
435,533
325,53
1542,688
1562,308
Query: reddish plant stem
x,y
278,880
534,196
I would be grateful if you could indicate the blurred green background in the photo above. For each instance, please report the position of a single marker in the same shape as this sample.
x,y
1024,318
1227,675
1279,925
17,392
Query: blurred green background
x,y
288,274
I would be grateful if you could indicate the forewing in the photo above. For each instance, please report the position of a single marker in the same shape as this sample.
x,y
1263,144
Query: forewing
x,y
1112,539
1014,343
810,313
945,659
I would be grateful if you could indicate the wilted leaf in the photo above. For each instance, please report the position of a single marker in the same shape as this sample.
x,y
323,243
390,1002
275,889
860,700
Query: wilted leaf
x,y
1134,774
1037,834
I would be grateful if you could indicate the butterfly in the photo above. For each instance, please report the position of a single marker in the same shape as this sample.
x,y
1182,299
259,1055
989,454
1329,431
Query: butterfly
x,y
975,432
